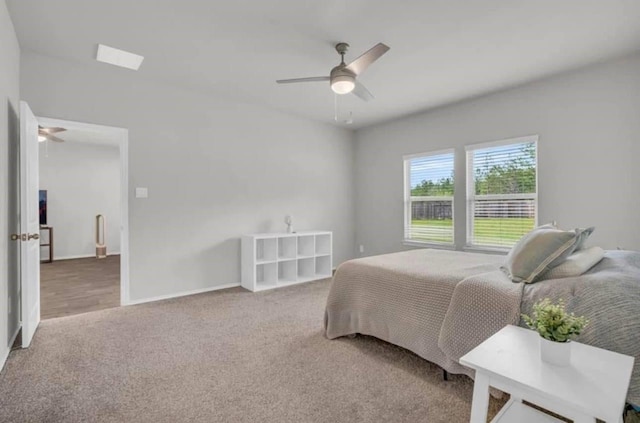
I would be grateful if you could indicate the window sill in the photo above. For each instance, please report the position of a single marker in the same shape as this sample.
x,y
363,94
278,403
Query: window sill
x,y
486,250
452,247
421,244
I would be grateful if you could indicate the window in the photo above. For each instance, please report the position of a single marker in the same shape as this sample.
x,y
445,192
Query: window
x,y
429,198
502,192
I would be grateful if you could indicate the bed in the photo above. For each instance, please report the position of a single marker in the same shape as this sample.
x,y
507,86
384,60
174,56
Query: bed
x,y
441,304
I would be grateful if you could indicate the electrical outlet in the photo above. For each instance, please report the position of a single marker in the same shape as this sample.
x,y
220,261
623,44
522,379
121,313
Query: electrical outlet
x,y
361,248
142,192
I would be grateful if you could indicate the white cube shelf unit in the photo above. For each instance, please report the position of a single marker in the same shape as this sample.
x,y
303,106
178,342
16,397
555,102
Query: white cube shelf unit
x,y
273,260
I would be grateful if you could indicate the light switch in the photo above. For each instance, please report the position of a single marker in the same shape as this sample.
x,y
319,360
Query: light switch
x,y
142,193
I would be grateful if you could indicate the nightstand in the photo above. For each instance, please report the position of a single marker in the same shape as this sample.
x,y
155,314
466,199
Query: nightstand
x,y
593,386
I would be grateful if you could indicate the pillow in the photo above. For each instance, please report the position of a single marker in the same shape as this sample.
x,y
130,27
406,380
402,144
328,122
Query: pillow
x,y
576,264
538,251
582,239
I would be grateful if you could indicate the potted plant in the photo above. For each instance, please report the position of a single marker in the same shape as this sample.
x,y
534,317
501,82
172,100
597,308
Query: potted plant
x,y
556,328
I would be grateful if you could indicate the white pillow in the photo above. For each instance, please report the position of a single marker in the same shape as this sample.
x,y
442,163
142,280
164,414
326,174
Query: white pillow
x,y
576,264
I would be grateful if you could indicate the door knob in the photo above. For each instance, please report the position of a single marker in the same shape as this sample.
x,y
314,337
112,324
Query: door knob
x,y
34,236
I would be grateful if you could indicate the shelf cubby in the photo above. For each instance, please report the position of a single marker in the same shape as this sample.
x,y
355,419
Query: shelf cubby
x,y
306,268
266,250
267,275
323,266
323,244
287,271
287,248
306,246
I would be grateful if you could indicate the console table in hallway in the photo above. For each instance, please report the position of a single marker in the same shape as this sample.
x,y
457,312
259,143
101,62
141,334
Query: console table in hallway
x,y
48,244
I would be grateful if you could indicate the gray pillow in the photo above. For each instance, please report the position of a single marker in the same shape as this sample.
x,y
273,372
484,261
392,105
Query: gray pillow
x,y
538,251
582,238
576,264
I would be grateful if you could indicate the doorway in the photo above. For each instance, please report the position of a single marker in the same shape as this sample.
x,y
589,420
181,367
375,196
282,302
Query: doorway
x,y
83,202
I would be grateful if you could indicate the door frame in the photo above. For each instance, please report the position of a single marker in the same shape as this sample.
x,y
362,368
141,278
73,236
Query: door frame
x,y
122,135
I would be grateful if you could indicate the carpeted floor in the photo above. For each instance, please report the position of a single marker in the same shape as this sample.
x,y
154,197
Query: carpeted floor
x,y
225,356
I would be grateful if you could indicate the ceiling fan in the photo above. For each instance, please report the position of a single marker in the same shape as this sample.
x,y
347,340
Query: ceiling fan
x,y
45,133
342,78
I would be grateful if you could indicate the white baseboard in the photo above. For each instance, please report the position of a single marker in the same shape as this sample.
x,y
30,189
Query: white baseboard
x,y
15,335
4,357
182,294
83,256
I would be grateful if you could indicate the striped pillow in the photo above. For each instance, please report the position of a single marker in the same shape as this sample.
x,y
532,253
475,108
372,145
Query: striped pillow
x,y
538,251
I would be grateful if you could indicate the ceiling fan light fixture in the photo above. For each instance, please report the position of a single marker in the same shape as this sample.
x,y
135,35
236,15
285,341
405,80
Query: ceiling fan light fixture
x,y
42,138
343,84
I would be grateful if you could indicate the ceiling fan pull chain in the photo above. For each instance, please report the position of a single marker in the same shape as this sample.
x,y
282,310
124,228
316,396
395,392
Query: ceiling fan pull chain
x,y
335,107
350,120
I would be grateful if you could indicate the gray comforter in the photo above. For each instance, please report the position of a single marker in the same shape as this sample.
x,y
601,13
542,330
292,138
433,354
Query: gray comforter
x,y
441,304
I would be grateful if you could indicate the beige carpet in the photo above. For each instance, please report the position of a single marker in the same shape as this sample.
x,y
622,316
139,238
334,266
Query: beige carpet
x,y
226,356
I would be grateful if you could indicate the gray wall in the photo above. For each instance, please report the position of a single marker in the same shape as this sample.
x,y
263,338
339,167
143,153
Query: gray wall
x,y
589,127
9,109
82,180
215,169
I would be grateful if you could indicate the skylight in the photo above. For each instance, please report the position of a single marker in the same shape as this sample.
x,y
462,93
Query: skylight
x,y
118,57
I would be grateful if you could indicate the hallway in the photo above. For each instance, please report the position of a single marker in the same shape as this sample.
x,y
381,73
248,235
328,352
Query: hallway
x,y
69,287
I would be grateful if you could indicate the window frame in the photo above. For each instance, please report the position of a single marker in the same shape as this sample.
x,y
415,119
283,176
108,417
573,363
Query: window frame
x,y
471,196
406,159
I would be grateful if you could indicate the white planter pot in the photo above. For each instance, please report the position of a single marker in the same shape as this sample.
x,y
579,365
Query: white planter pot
x,y
556,353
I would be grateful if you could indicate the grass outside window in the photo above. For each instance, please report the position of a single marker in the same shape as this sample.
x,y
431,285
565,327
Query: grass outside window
x,y
501,232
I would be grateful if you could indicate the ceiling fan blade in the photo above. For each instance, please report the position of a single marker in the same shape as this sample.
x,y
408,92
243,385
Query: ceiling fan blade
x,y
53,138
310,79
361,91
53,130
362,63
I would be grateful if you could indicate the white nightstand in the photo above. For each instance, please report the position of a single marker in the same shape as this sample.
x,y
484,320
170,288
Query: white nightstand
x,y
593,386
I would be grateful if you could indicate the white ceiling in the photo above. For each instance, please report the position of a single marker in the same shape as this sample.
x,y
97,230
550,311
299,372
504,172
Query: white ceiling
x,y
442,51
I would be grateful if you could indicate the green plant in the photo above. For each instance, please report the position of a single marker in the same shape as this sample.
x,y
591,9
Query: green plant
x,y
553,322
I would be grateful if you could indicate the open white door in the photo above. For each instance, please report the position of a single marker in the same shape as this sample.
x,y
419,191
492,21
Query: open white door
x,y
29,224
